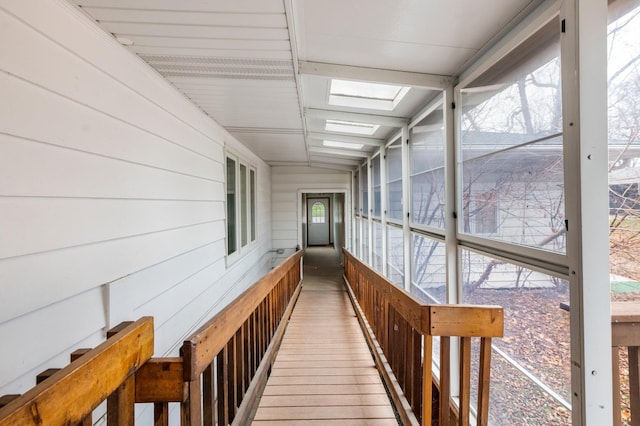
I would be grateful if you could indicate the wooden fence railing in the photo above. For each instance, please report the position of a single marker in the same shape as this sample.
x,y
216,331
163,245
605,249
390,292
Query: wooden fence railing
x,y
108,372
216,381
401,331
229,356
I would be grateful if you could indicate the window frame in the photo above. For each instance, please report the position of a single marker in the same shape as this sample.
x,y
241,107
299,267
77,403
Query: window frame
x,y
245,207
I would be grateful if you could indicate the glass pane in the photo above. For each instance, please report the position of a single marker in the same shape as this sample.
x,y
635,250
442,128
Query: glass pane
x,y
428,283
536,331
427,170
243,204
394,180
356,193
365,242
365,190
231,206
395,255
624,149
377,197
512,148
318,212
377,246
428,198
253,204
517,196
357,249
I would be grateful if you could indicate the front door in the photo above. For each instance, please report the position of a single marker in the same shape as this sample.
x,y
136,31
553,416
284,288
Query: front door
x,y
318,221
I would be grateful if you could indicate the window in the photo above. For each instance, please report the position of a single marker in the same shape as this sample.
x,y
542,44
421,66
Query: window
x,y
377,188
231,206
394,180
252,199
512,147
365,190
356,193
427,170
361,94
318,214
351,127
241,205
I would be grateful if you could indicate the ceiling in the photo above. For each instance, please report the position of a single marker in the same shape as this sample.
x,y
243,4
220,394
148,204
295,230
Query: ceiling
x,y
263,69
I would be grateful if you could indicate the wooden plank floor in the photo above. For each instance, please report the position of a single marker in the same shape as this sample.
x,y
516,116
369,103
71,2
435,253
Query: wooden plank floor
x,y
324,373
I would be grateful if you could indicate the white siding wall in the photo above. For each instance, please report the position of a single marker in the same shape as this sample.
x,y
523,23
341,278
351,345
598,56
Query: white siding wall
x,y
286,182
111,196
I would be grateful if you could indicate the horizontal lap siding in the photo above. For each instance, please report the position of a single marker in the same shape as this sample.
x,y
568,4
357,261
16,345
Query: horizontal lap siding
x,y
285,184
111,196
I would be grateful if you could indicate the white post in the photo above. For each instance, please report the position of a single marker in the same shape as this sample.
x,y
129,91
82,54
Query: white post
x,y
406,208
584,84
383,207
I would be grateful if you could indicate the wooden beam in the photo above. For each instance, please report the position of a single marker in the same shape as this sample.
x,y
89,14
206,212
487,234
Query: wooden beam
x,y
161,380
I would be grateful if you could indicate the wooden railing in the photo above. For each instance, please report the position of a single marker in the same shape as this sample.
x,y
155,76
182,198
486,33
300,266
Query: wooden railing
x,y
625,332
229,356
108,372
216,381
401,330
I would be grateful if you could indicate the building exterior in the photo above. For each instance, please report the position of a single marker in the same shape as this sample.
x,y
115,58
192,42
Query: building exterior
x,y
130,185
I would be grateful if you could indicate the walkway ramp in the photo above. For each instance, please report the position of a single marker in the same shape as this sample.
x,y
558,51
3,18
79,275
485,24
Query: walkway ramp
x,y
324,373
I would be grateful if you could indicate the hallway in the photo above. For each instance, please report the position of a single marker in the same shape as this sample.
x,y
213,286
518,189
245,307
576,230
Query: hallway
x,y
324,372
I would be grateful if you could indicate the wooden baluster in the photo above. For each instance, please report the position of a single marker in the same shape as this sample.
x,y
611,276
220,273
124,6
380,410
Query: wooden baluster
x,y
231,382
121,403
417,374
444,408
484,380
46,374
5,399
246,355
427,379
465,380
208,396
223,389
239,363
118,410
634,385
160,414
615,361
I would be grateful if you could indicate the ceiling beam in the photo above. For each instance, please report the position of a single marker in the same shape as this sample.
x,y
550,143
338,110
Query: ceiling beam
x,y
346,138
320,164
405,78
338,152
383,120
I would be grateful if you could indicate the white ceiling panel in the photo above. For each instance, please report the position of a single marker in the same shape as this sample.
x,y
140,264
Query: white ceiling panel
x,y
275,147
237,60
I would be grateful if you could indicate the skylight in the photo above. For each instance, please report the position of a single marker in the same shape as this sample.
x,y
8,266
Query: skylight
x,y
334,144
359,94
351,127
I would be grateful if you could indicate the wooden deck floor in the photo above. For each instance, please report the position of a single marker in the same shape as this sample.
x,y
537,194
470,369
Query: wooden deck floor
x,y
324,373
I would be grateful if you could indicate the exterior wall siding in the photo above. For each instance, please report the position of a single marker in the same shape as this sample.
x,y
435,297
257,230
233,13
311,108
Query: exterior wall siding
x,y
111,196
286,183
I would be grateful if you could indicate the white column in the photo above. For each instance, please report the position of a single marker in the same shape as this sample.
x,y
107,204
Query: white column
x,y
383,206
584,83
451,210
406,208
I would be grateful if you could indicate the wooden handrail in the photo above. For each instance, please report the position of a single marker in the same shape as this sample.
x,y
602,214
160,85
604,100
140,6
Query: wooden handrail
x,y
71,394
402,332
216,380
229,356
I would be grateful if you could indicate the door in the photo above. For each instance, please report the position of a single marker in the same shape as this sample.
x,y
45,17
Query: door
x,y
318,221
